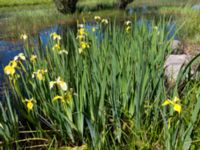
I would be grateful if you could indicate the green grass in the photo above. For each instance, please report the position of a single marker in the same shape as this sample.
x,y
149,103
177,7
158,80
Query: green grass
x,y
21,19
11,3
189,18
42,17
158,3
116,88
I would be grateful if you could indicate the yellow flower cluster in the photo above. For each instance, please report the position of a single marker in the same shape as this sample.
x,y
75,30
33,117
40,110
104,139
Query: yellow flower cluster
x,y
10,69
56,37
57,46
128,26
82,39
39,74
99,20
175,103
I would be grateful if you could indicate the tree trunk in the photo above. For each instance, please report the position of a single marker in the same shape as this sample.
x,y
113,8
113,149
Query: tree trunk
x,y
66,6
123,3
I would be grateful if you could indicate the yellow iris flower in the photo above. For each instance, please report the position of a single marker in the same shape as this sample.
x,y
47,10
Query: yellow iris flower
x,y
128,29
67,97
33,58
82,31
39,74
128,26
55,36
20,56
104,21
57,97
13,63
59,82
63,52
84,45
23,36
56,47
127,23
29,103
9,70
97,17
175,103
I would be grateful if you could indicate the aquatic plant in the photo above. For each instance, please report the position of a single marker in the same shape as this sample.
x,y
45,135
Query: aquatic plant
x,y
108,96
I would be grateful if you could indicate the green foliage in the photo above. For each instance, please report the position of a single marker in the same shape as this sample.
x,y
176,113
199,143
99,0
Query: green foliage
x,y
8,122
116,87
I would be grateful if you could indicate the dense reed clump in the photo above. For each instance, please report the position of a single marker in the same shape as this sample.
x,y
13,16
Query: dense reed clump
x,y
102,88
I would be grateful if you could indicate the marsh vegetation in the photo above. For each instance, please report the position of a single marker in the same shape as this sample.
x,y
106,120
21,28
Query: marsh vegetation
x,y
101,84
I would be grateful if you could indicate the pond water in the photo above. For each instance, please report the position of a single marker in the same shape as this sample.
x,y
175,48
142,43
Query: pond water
x,y
196,7
10,49
143,9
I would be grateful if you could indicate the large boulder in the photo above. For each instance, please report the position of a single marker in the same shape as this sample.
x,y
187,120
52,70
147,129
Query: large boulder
x,y
66,6
177,47
173,66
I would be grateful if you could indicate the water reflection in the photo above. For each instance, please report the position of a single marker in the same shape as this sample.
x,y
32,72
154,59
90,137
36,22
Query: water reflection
x,y
141,10
44,35
7,51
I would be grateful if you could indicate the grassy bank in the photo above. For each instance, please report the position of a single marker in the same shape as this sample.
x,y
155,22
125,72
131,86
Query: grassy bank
x,y
158,3
18,19
89,92
11,3
189,18
21,16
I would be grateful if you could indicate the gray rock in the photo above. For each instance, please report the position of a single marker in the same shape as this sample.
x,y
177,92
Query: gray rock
x,y
176,47
173,65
